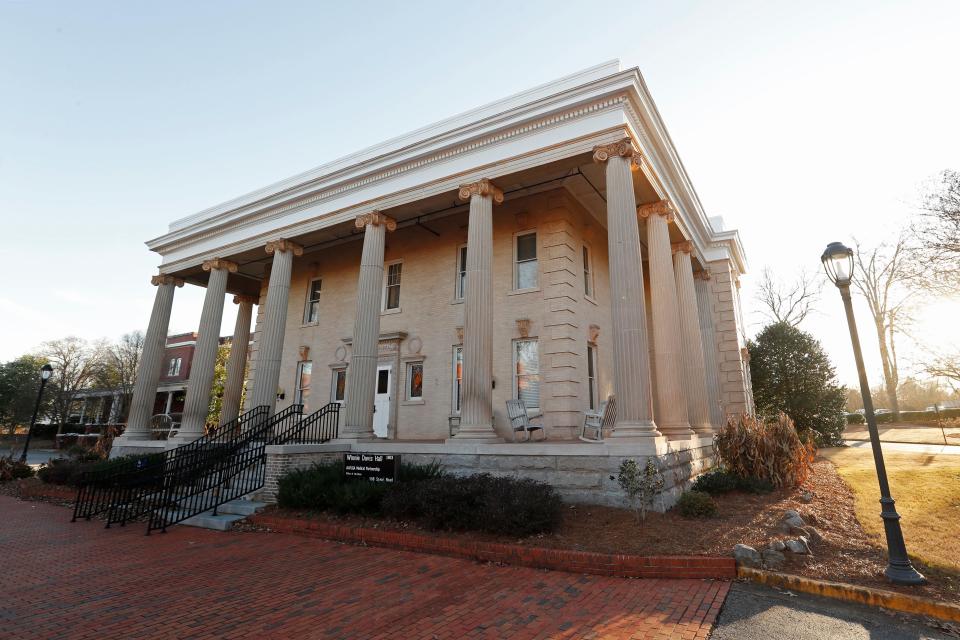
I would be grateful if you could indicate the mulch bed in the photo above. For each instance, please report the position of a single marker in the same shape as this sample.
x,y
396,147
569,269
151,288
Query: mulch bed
x,y
846,554
34,489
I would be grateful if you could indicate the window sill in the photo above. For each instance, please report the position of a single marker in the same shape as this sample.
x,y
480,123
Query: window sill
x,y
591,300
517,292
407,403
457,301
304,325
388,312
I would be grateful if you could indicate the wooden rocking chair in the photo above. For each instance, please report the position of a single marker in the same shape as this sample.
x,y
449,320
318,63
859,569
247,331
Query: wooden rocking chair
x,y
599,420
520,421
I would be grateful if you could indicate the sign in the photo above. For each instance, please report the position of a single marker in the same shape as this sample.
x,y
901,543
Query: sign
x,y
373,467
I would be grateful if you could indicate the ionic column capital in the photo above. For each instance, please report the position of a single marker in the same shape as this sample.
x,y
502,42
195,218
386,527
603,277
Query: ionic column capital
x,y
281,245
164,279
376,219
220,263
661,208
701,275
684,246
482,187
245,299
624,148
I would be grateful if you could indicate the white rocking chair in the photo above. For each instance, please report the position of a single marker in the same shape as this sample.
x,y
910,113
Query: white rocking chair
x,y
521,421
599,420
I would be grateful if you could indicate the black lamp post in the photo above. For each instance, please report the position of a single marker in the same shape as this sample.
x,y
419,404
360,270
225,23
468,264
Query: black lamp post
x,y
45,372
838,262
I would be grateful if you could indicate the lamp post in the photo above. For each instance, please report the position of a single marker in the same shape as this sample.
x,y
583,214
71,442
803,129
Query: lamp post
x,y
837,260
45,372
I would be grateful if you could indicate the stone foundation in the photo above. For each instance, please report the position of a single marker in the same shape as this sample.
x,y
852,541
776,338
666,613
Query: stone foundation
x,y
581,473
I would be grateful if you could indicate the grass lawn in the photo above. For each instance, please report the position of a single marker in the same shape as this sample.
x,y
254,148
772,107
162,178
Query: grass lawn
x,y
912,433
927,491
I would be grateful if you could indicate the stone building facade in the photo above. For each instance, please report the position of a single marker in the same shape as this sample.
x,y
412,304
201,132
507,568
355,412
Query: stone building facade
x,y
548,247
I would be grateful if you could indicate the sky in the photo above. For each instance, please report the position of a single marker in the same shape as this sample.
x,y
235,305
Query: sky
x,y
799,123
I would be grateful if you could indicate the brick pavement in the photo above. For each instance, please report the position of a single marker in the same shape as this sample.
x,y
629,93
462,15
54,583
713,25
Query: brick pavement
x,y
63,580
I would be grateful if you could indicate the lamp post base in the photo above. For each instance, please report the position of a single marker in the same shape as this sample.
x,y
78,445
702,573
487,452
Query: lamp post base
x,y
905,575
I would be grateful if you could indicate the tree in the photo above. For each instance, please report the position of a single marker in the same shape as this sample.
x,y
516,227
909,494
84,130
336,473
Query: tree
x,y
219,382
792,374
76,364
938,233
119,368
885,276
19,384
788,302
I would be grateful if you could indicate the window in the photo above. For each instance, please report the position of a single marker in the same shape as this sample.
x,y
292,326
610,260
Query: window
x,y
592,375
391,286
302,395
526,377
525,261
311,311
174,368
457,379
415,381
587,272
338,387
461,271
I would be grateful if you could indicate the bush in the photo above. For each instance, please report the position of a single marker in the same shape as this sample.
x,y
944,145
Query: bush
x,y
501,505
82,454
60,471
792,374
71,471
855,418
323,487
641,486
766,450
696,504
11,469
722,481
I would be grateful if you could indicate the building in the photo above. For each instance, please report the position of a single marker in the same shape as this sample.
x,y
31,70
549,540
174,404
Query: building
x,y
548,246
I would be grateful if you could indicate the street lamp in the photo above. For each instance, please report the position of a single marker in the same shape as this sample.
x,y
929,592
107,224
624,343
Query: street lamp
x,y
837,260
45,372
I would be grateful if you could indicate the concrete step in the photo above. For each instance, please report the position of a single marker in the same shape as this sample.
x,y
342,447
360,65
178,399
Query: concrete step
x,y
219,522
241,507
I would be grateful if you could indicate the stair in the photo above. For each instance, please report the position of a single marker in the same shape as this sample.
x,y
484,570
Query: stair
x,y
227,514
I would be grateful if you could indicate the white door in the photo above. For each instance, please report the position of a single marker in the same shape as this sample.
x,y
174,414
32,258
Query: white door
x,y
381,404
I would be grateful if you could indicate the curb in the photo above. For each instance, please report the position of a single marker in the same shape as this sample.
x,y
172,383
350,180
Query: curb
x,y
853,593
603,564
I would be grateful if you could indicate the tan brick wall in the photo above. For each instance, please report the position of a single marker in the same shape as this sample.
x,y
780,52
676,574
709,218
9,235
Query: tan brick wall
x,y
560,314
735,392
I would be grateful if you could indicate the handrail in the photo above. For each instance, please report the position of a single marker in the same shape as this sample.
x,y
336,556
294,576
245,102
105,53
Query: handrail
x,y
205,476
320,426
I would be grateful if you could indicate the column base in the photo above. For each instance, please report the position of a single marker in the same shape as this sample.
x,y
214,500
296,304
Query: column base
x,y
124,445
634,431
704,430
356,433
479,433
677,431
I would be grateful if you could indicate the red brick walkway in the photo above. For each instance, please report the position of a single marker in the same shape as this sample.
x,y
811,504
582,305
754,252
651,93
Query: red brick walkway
x,y
63,580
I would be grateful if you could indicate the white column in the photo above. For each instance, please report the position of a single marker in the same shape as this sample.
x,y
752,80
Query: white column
x,y
148,373
476,414
667,351
202,367
362,375
705,306
698,403
169,404
631,361
267,376
237,362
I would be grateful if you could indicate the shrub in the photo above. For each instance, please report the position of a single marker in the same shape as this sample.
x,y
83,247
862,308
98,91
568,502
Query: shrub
x,y
696,504
855,418
71,471
82,454
60,471
11,469
641,486
502,505
767,450
722,481
791,373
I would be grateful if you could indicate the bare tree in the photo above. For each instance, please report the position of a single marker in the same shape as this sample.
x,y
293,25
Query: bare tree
x,y
121,360
938,234
788,302
885,276
76,364
945,366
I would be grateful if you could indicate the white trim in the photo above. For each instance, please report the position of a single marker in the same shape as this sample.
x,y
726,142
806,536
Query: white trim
x,y
306,302
383,293
457,291
454,411
298,389
336,370
514,391
587,273
407,368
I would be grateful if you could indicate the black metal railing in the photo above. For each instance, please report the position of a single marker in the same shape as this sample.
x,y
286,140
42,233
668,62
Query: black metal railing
x,y
320,426
122,489
204,475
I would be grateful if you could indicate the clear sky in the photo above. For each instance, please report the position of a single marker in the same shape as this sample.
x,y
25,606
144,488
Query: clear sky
x,y
800,123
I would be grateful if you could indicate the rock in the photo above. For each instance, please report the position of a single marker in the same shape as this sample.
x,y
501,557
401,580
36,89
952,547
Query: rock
x,y
773,560
812,534
777,545
747,556
791,519
798,546
806,496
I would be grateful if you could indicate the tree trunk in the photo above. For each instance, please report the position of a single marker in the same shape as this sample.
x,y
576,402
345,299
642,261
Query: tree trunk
x,y
889,372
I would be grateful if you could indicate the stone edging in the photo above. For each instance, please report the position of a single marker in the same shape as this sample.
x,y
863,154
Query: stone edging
x,y
604,564
853,593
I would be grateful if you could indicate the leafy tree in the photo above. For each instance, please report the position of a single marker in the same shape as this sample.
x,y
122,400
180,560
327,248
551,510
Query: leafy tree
x,y
19,383
219,382
791,373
